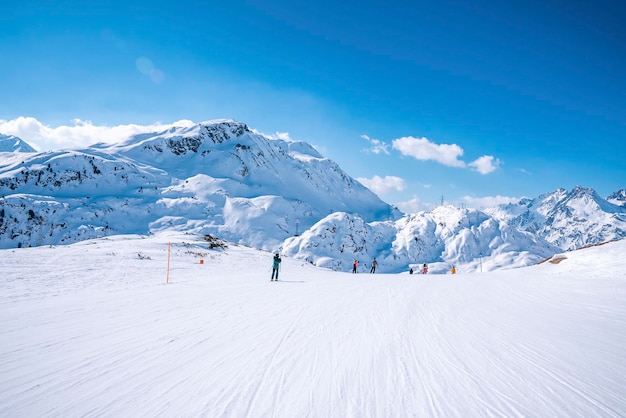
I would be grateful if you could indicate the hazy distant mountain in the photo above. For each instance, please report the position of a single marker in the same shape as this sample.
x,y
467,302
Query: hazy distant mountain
x,y
567,219
10,143
618,198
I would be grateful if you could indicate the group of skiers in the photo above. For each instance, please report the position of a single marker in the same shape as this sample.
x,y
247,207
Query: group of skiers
x,y
425,269
355,264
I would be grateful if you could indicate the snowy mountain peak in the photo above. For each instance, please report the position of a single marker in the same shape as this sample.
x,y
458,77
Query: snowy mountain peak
x,y
216,177
580,192
11,143
180,140
223,130
569,220
586,200
618,198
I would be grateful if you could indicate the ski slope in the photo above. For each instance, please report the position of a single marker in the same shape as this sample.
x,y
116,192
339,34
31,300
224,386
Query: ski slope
x,y
93,329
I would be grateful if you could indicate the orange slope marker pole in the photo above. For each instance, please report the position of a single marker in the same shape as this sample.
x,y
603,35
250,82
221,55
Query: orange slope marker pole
x,y
167,278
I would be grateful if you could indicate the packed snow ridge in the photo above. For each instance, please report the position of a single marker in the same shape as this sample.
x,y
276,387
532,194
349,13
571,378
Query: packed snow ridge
x,y
223,179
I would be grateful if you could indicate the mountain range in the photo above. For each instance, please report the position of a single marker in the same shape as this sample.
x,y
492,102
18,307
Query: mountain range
x,y
221,178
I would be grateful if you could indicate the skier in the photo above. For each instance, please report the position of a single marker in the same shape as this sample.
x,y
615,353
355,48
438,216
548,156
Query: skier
x,y
355,264
411,270
453,270
275,267
424,268
374,264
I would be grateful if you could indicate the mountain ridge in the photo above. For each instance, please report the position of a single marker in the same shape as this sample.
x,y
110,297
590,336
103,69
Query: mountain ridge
x,y
568,219
224,179
218,178
11,143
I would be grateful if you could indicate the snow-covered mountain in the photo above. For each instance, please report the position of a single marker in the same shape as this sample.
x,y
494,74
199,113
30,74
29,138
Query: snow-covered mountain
x,y
221,178
442,238
216,177
10,143
618,198
568,219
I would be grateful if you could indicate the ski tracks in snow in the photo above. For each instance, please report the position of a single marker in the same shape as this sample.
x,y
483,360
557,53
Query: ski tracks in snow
x,y
103,335
268,369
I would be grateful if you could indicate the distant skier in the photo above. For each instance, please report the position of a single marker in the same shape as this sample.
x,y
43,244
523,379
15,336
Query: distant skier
x,y
355,264
453,270
411,270
374,264
424,268
275,267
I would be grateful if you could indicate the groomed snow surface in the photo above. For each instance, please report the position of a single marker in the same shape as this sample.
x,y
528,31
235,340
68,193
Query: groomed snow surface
x,y
92,329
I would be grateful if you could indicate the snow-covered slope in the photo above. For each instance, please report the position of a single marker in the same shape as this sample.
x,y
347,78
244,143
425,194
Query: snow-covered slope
x,y
215,177
92,329
11,143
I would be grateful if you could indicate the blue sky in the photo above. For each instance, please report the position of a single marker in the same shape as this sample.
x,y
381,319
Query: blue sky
x,y
473,101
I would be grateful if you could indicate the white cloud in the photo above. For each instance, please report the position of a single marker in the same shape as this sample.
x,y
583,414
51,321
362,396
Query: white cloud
x,y
376,146
381,186
488,201
79,134
414,205
485,164
282,135
424,150
277,135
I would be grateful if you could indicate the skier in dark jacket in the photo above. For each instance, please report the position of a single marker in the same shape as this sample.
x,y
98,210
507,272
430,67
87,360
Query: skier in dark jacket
x,y
275,267
374,264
